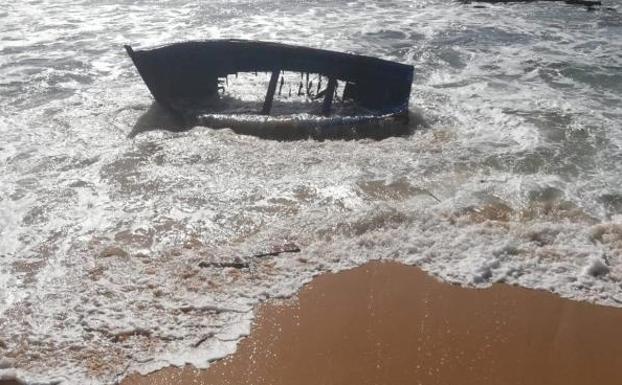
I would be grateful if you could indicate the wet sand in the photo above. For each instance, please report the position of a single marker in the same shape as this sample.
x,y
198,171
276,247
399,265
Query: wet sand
x,y
386,323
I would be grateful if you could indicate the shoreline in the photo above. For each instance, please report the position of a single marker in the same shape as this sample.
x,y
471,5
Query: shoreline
x,y
389,323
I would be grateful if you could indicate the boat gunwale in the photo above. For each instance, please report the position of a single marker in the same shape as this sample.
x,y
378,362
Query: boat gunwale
x,y
372,78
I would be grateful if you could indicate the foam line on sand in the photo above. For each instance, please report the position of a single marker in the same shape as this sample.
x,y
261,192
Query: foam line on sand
x,y
387,323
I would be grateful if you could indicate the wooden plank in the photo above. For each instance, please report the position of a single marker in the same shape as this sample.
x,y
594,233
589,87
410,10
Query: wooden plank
x,y
328,97
267,103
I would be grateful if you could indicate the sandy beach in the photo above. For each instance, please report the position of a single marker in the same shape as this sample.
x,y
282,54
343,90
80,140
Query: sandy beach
x,y
387,323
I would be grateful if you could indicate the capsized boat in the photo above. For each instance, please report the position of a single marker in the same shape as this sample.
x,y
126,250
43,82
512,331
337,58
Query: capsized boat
x,y
182,76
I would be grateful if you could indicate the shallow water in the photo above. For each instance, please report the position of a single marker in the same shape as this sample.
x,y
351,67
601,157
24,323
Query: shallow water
x,y
516,177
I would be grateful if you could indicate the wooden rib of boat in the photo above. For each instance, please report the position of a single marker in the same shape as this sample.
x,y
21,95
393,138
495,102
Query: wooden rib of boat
x,y
192,71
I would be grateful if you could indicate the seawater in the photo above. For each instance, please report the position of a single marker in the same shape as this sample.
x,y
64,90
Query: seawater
x,y
515,177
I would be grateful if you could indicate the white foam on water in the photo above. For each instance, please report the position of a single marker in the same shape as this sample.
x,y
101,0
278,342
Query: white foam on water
x,y
516,178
